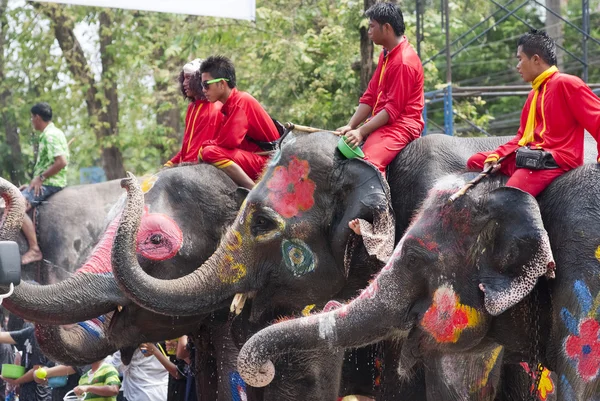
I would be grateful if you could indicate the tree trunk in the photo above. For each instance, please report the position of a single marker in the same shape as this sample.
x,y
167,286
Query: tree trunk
x,y
366,53
17,173
104,118
555,28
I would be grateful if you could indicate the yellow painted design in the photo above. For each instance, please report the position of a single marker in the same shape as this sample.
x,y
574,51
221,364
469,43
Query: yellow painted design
x,y
235,241
148,183
597,253
489,365
296,256
546,385
230,272
306,311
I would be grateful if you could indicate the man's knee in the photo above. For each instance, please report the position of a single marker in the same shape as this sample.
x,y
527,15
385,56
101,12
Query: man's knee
x,y
210,154
476,161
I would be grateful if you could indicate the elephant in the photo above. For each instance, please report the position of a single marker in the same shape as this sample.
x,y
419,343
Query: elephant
x,y
290,245
490,266
186,210
68,226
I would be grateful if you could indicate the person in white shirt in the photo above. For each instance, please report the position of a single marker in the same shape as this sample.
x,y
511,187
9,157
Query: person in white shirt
x,y
144,379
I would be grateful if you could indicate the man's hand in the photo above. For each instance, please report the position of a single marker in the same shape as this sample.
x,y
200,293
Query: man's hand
x,y
80,390
354,138
36,184
22,187
344,129
43,381
148,349
494,165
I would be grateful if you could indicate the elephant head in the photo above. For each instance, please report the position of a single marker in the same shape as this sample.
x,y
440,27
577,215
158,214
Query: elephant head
x,y
175,234
459,264
290,244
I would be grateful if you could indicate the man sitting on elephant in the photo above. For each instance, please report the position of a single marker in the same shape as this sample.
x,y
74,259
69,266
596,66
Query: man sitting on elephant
x,y
392,106
202,118
50,172
549,141
245,127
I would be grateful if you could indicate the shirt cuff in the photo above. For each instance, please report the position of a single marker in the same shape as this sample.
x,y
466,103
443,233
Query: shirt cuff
x,y
493,157
169,164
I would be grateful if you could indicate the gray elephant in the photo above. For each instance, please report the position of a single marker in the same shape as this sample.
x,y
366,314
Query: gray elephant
x,y
476,270
290,245
185,212
68,226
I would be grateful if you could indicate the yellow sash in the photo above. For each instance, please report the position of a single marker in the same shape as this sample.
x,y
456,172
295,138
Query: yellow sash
x,y
530,127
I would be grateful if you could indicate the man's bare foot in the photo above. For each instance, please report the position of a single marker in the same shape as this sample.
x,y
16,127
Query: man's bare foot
x,y
32,255
355,226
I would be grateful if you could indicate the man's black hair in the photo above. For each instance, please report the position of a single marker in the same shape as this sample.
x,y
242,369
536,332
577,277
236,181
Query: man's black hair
x,y
195,85
43,110
538,42
387,13
219,67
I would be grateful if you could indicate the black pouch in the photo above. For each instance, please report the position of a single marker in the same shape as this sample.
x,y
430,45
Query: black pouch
x,y
535,159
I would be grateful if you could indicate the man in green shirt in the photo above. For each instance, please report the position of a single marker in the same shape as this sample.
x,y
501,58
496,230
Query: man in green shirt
x,y
50,172
100,383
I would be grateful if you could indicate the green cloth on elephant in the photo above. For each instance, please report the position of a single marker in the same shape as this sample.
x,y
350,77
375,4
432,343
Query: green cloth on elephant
x,y
106,375
52,144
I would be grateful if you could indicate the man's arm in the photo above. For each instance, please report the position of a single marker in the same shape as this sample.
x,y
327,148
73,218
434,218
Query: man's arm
x,y
60,162
151,349
233,131
585,106
6,338
103,391
26,378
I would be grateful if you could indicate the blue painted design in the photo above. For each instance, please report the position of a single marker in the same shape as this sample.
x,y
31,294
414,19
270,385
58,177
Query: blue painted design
x,y
566,389
584,296
238,387
298,257
91,329
570,321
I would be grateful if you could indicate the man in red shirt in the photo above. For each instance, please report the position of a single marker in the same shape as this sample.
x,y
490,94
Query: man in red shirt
x,y
392,106
235,147
554,117
202,118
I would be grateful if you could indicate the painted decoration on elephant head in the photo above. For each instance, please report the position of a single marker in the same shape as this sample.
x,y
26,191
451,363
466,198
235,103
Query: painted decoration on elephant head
x,y
238,387
546,384
94,326
447,318
298,257
230,271
582,345
290,190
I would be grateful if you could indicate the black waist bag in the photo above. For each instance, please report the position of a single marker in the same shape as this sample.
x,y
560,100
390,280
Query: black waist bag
x,y
535,159
269,146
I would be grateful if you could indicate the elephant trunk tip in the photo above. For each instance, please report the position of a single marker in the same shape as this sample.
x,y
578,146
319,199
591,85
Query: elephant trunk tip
x,y
254,377
127,181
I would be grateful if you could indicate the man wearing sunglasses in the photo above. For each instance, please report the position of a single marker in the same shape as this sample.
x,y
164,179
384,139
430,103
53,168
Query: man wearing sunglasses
x,y
245,124
202,118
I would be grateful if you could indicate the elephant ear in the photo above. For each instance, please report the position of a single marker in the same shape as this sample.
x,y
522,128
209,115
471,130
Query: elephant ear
x,y
363,194
240,196
513,249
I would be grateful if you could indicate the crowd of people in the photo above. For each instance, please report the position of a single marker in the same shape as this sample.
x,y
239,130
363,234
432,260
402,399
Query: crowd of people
x,y
229,129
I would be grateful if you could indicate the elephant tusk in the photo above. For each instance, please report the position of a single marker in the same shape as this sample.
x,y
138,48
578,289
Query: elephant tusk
x,y
119,308
238,303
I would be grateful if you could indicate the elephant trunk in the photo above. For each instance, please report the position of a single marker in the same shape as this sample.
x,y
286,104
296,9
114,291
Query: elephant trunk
x,y
201,291
12,219
90,292
81,344
367,319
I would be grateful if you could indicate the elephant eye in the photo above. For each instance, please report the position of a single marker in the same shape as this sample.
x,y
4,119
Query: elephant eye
x,y
262,224
156,239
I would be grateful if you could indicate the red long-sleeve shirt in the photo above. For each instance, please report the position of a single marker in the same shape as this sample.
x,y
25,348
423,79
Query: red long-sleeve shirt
x,y
565,107
201,123
399,89
243,116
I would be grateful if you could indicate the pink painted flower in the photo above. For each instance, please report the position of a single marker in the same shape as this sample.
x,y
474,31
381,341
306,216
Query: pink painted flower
x,y
585,349
291,191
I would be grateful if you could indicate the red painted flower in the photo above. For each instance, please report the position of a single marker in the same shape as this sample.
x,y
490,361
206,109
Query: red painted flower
x,y
446,318
585,349
291,189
